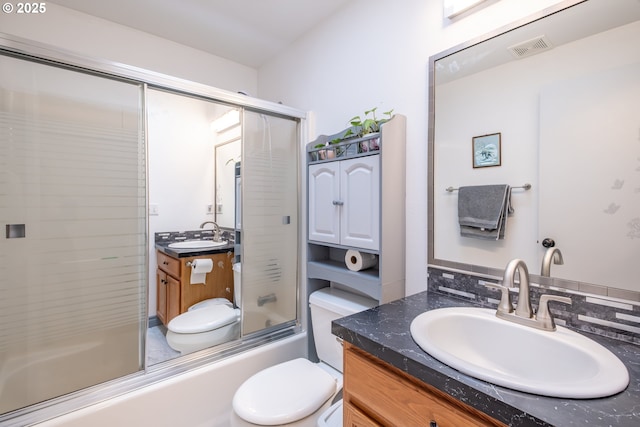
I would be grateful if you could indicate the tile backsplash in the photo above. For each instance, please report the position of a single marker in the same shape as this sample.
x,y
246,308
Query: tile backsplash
x,y
614,318
178,236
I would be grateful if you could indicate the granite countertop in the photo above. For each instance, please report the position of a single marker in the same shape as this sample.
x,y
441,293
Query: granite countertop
x,y
185,253
384,332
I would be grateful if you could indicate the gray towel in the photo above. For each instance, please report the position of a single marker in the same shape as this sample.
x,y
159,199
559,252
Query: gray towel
x,y
483,211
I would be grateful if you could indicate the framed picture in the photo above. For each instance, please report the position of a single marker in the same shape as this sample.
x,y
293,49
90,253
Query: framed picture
x,y
486,150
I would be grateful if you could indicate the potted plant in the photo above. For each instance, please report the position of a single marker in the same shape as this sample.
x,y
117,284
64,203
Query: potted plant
x,y
361,127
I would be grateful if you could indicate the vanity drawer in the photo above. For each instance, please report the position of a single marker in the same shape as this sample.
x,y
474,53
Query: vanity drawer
x,y
169,265
393,398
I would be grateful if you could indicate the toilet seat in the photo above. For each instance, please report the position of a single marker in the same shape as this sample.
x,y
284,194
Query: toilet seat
x,y
203,319
210,302
284,393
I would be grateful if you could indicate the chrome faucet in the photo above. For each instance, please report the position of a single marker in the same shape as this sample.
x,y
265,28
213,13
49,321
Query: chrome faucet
x,y
523,309
216,230
551,254
524,313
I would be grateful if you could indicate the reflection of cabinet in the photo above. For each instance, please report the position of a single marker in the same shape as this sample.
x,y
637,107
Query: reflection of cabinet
x,y
175,293
344,202
356,200
378,394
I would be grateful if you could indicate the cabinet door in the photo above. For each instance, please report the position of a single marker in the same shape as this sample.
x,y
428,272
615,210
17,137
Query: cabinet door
x,y
161,299
173,298
324,202
360,194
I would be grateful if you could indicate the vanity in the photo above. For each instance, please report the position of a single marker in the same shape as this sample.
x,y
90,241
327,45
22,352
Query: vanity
x,y
175,292
390,380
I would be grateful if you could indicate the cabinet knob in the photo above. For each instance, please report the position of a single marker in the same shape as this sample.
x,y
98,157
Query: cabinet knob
x,y
165,262
338,203
433,424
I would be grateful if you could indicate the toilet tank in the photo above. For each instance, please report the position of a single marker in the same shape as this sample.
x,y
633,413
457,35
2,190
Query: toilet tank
x,y
328,304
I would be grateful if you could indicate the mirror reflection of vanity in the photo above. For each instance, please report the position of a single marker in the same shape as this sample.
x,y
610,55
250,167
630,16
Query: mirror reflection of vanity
x,y
195,148
562,91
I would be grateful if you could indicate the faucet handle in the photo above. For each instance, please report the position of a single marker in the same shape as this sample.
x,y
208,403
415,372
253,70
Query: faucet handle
x,y
505,305
543,316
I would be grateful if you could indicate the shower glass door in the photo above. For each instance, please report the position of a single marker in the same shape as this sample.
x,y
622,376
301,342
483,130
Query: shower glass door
x,y
269,221
73,224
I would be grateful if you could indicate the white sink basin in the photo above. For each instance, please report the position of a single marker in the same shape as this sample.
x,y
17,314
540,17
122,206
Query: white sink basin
x,y
562,363
197,244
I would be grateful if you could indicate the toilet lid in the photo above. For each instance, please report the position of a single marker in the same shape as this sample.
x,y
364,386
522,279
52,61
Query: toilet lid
x,y
203,319
209,302
284,393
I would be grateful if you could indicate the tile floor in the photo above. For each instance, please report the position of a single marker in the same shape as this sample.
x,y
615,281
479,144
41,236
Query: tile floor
x,y
157,348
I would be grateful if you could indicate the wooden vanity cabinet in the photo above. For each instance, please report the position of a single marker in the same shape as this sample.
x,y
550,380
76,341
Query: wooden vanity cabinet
x,y
175,293
378,394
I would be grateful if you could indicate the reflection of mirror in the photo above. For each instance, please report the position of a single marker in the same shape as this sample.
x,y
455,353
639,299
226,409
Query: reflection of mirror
x,y
569,124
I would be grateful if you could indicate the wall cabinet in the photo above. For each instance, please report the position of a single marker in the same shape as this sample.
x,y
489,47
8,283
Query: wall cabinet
x,y
356,200
344,202
175,293
378,394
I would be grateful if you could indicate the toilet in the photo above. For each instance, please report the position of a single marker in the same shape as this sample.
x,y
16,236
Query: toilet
x,y
206,323
299,392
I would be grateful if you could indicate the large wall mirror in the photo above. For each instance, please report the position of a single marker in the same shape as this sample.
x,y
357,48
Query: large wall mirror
x,y
562,90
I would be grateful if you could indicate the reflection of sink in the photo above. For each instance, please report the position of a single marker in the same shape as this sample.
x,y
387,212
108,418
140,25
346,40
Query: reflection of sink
x,y
197,244
557,364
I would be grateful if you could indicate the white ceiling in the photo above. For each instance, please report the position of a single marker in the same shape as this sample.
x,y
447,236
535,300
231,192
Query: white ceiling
x,y
248,32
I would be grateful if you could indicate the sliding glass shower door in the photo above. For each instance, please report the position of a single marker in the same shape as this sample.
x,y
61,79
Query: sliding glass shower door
x,y
269,221
73,223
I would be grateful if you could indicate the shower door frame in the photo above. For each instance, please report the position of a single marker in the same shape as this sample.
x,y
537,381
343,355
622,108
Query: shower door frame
x,y
46,54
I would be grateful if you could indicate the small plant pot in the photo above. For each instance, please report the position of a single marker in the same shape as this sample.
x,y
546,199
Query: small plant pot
x,y
326,154
372,144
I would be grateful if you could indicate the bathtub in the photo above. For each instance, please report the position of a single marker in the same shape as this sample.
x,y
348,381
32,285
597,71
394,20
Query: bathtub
x,y
197,398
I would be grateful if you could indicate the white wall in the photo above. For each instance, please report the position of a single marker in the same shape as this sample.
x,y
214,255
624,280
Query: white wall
x,y
375,53
97,38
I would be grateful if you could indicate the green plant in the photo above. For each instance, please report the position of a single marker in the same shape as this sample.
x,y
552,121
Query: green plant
x,y
368,124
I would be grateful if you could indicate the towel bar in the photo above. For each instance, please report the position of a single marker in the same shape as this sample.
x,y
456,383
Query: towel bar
x,y
525,186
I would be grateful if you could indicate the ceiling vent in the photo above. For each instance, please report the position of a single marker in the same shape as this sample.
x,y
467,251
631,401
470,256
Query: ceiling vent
x,y
530,47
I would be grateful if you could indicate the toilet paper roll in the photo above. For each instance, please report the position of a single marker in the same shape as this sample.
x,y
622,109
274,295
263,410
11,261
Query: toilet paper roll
x,y
199,270
357,260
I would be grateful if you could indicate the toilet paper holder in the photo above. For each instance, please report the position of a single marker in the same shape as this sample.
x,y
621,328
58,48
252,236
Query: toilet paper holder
x,y
189,263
